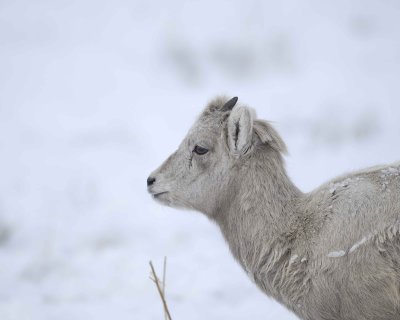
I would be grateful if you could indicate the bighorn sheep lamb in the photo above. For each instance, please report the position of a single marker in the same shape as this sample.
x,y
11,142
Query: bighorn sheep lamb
x,y
333,253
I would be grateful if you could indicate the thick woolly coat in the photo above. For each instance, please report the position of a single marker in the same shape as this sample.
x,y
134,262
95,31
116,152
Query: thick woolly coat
x,y
333,253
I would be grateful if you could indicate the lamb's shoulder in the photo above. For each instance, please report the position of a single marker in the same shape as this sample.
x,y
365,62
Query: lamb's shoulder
x,y
345,229
356,209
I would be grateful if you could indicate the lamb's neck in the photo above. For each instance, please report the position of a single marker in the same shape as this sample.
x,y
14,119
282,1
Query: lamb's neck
x,y
259,214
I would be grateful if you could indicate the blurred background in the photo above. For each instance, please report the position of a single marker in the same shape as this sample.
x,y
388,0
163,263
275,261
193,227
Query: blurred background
x,y
94,95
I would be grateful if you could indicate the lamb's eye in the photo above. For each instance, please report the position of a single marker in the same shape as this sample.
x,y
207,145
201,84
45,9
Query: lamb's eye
x,y
200,150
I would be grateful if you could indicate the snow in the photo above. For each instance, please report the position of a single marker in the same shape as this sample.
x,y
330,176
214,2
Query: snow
x,y
341,184
388,173
336,254
95,95
391,171
355,246
359,243
293,258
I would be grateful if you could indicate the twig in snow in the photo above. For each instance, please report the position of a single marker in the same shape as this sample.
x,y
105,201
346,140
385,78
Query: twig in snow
x,y
161,291
164,281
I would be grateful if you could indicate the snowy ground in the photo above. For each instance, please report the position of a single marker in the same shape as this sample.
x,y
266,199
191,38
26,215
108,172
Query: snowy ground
x,y
94,95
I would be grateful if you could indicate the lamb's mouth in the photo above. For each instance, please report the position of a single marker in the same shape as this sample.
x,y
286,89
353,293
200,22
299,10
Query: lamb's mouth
x,y
156,195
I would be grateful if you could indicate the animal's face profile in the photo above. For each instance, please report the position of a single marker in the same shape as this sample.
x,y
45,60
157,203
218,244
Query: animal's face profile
x,y
195,175
192,176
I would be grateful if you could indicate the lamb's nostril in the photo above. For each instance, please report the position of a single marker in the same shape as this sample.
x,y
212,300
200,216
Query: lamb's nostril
x,y
150,181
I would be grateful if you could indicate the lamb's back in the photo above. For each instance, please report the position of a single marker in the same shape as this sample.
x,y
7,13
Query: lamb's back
x,y
355,207
356,247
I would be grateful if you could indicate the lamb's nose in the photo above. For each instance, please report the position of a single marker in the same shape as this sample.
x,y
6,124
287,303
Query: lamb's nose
x,y
150,181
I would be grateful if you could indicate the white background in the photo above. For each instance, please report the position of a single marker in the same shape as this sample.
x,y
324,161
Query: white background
x,y
94,95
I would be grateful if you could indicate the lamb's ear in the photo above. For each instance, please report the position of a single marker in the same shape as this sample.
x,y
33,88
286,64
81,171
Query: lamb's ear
x,y
240,130
269,135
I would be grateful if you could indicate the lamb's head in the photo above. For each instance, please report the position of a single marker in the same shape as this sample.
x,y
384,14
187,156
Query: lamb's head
x,y
197,175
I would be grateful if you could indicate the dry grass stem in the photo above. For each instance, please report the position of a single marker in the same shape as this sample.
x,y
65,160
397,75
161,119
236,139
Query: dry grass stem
x,y
161,287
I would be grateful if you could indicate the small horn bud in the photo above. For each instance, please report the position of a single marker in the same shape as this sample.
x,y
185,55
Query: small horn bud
x,y
229,104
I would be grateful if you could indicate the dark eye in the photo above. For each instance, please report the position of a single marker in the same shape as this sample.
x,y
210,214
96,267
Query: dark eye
x,y
200,150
